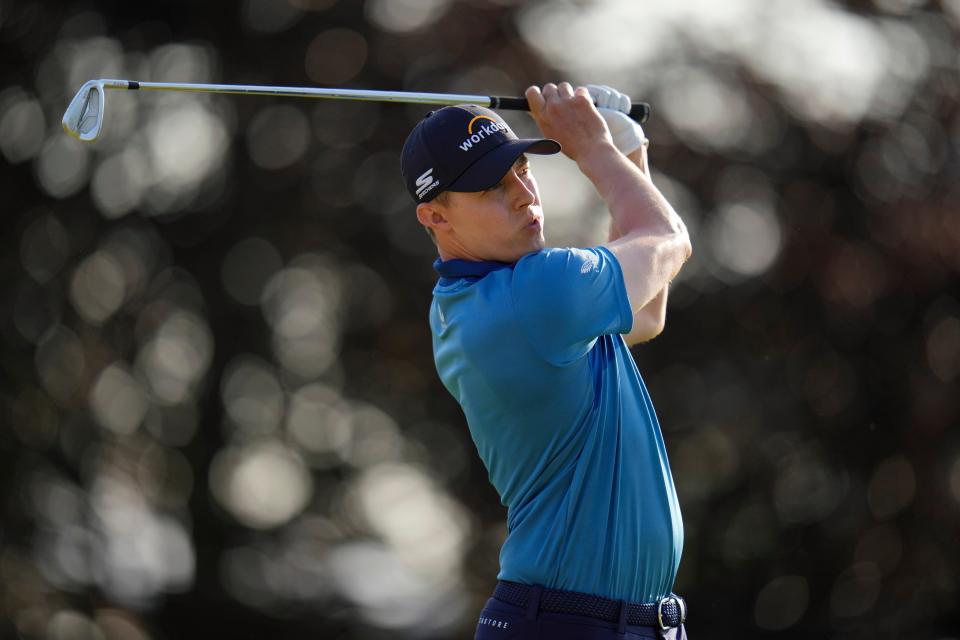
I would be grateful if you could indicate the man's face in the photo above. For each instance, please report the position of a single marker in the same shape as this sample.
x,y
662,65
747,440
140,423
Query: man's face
x,y
503,223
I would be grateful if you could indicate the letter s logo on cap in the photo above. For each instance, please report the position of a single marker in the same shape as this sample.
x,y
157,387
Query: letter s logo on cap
x,y
425,182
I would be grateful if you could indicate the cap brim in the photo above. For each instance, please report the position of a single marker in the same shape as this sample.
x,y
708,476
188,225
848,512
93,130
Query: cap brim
x,y
490,169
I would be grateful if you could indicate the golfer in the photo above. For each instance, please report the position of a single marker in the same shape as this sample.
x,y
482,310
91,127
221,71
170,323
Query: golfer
x,y
533,344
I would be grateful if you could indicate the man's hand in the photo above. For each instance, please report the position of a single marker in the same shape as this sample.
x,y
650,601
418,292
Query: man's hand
x,y
569,117
614,106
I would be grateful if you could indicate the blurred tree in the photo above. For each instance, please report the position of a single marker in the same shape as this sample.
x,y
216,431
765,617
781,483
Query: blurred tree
x,y
219,408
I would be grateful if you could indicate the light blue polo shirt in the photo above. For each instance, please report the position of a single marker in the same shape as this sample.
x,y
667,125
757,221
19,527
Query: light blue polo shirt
x,y
555,404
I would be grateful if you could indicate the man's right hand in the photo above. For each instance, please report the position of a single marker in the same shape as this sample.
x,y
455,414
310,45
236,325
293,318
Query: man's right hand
x,y
569,117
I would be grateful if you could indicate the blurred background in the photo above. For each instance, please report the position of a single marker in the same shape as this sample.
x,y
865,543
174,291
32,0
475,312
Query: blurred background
x,y
219,415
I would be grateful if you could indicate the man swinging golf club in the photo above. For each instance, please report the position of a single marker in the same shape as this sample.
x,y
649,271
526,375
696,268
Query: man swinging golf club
x,y
533,344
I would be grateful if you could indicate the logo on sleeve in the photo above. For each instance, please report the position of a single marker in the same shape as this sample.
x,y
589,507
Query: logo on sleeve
x,y
425,183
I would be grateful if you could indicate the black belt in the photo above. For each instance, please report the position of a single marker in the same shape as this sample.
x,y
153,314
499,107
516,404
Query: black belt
x,y
670,612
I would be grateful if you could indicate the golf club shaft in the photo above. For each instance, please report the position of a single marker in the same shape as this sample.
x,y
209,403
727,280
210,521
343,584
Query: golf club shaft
x,y
639,111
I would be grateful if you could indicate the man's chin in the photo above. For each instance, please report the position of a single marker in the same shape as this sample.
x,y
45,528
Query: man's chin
x,y
537,245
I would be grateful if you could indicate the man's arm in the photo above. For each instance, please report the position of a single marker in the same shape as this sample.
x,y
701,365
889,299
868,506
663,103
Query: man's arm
x,y
653,243
649,321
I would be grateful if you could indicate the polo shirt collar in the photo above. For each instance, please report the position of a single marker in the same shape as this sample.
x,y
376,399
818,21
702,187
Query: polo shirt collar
x,y
453,270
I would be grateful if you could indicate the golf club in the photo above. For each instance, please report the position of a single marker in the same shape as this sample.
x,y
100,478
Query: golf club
x,y
83,118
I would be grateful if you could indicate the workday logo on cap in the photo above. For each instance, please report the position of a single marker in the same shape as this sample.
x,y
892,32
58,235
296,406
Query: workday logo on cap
x,y
462,148
483,131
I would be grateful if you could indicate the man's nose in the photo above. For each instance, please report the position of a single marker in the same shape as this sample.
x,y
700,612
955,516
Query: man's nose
x,y
523,195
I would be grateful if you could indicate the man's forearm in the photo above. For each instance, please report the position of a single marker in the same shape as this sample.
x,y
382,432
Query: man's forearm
x,y
642,162
647,279
635,204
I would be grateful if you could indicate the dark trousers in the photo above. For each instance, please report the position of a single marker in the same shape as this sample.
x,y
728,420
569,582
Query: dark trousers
x,y
502,621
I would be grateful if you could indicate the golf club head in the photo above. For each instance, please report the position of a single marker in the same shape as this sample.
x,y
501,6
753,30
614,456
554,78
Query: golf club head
x,y
83,118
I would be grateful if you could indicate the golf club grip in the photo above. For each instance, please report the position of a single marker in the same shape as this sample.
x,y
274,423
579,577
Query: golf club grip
x,y
639,111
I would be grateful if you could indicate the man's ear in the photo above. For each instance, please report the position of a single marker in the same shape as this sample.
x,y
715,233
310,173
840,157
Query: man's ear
x,y
433,215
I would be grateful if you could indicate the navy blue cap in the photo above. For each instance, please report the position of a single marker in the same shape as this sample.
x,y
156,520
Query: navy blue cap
x,y
462,148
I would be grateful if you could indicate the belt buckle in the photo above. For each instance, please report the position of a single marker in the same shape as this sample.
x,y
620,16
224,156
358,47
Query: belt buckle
x,y
681,604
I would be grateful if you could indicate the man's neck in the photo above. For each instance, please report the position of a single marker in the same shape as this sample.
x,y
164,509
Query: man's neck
x,y
456,253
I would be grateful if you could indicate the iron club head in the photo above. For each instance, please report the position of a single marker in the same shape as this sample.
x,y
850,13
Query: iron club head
x,y
83,118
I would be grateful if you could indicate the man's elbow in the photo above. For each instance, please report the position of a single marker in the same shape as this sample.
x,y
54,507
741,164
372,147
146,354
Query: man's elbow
x,y
655,326
646,327
682,251
686,247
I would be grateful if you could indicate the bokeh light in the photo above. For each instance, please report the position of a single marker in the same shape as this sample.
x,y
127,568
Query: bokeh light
x,y
807,489
277,137
262,484
856,590
62,166
892,487
118,400
320,421
405,15
118,183
265,16
44,247
336,56
175,358
252,396
781,603
60,363
21,125
97,288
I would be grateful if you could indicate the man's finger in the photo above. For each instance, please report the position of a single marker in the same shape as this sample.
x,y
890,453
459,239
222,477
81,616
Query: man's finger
x,y
584,91
549,91
598,92
535,100
565,90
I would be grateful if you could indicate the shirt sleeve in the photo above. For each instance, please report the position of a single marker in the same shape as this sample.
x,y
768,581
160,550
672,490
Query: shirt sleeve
x,y
566,298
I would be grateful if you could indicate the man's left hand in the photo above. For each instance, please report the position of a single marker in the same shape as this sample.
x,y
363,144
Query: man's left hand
x,y
614,106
